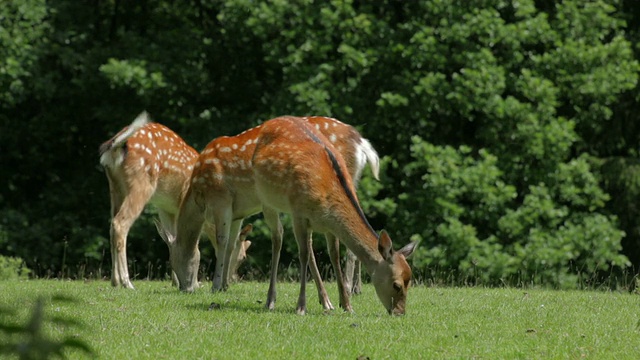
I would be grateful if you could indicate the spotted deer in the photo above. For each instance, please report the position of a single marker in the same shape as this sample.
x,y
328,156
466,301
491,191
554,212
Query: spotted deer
x,y
297,170
222,191
357,152
145,163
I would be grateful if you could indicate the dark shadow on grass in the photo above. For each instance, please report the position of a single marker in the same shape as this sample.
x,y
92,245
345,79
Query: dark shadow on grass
x,y
222,306
257,307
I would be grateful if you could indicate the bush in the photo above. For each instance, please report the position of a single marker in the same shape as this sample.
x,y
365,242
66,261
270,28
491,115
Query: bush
x,y
482,228
12,268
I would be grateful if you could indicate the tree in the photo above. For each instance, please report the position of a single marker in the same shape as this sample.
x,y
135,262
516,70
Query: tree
x,y
500,118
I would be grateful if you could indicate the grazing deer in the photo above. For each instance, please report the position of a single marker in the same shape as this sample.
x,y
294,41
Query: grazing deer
x,y
357,152
222,192
298,171
146,163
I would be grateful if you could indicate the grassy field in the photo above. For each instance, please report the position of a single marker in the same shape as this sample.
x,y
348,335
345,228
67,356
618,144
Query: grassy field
x,y
157,322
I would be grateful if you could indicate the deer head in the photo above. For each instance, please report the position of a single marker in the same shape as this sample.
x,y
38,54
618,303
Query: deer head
x,y
392,276
185,264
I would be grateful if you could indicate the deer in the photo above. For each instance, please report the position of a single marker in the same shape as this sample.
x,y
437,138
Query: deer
x,y
297,170
357,152
146,163
222,191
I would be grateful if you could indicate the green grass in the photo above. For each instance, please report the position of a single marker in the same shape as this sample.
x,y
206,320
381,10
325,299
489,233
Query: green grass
x,y
158,322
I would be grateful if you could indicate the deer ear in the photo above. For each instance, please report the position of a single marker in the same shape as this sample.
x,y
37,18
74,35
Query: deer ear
x,y
246,230
385,245
408,249
246,244
164,234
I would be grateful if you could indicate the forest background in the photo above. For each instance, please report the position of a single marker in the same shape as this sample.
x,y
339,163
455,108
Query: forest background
x,y
508,129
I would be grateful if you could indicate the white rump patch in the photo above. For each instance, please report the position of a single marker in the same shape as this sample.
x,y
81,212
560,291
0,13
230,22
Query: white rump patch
x,y
114,156
366,153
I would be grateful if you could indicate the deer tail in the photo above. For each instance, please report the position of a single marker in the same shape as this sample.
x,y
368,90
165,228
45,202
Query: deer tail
x,y
113,150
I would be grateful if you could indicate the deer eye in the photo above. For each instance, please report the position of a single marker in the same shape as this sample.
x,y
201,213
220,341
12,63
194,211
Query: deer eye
x,y
397,287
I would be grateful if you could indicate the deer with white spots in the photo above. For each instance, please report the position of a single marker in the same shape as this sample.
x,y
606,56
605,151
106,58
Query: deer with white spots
x,y
299,171
145,163
222,192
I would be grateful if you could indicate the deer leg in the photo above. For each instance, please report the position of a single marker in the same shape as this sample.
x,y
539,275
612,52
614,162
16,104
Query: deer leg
x,y
117,197
222,231
323,298
334,253
222,217
272,219
117,193
126,215
349,267
168,223
352,277
239,254
357,279
210,231
303,237
232,243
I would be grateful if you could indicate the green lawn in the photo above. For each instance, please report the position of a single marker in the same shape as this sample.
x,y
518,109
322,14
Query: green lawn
x,y
157,322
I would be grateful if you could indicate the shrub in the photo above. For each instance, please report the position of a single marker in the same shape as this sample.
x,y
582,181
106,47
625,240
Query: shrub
x,y
479,226
13,268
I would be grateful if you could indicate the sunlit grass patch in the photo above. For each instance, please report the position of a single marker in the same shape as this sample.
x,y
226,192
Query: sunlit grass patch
x,y
157,321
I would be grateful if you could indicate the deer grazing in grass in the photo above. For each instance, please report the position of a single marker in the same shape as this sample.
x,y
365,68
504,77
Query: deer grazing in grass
x,y
146,162
222,191
297,170
149,163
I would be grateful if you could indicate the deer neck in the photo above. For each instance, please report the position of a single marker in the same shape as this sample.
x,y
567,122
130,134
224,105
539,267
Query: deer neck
x,y
361,239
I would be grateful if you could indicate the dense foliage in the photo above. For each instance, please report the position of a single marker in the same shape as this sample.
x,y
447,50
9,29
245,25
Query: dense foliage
x,y
508,127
